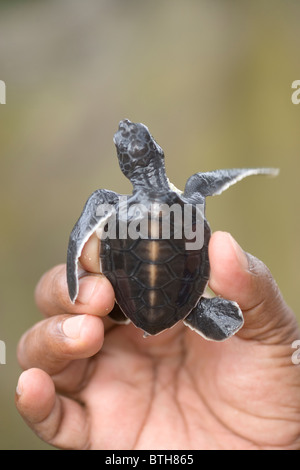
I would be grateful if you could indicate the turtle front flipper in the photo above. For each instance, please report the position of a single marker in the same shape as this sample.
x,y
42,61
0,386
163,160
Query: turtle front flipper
x,y
212,183
97,209
215,319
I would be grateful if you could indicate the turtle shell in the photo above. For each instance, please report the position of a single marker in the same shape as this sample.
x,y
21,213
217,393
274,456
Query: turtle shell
x,y
157,281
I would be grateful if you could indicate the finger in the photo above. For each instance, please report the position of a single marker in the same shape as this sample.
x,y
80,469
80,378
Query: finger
x,y
57,420
243,278
89,259
96,295
59,345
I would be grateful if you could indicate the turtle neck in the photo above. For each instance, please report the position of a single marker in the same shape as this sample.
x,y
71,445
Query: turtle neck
x,y
151,178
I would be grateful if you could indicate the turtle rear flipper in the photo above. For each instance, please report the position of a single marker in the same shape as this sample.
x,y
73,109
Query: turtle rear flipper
x,y
90,220
117,316
215,319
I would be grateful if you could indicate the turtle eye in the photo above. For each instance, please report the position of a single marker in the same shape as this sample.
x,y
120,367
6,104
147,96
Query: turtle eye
x,y
133,128
138,148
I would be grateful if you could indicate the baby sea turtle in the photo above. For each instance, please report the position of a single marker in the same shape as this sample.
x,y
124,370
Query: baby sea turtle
x,y
157,264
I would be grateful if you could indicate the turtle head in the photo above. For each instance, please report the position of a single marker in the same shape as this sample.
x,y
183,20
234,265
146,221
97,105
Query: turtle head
x,y
137,150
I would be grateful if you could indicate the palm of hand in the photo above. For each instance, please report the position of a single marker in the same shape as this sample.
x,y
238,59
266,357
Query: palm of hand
x,y
178,391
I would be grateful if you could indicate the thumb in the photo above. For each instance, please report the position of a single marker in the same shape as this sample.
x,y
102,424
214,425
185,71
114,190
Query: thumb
x,y
239,276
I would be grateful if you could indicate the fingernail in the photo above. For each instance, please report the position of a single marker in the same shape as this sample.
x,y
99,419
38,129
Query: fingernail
x,y
72,326
240,254
87,287
19,389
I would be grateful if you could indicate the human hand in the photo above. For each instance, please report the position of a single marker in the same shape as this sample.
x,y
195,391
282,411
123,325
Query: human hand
x,y
92,384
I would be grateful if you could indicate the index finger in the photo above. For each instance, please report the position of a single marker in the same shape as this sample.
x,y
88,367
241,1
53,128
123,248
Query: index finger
x,y
96,295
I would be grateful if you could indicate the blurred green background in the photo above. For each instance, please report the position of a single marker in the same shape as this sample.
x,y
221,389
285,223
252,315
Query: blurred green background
x,y
211,79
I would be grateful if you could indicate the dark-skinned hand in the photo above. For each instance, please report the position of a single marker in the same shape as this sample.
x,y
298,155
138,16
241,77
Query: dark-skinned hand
x,y
91,384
